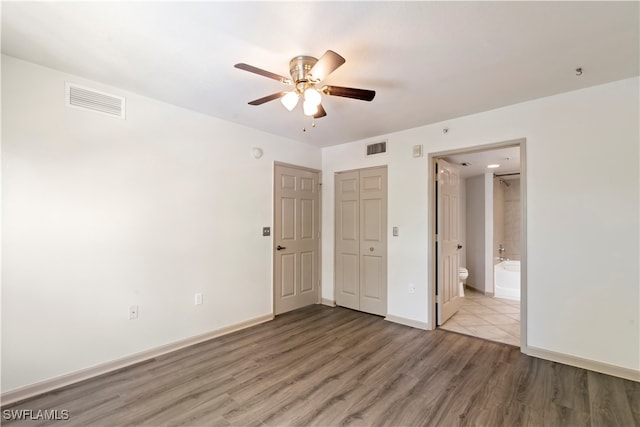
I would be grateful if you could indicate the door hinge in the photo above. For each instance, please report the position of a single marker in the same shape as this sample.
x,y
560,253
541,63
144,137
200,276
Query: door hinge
x,y
438,299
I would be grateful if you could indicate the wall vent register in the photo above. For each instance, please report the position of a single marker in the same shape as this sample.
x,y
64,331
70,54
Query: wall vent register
x,y
88,99
377,148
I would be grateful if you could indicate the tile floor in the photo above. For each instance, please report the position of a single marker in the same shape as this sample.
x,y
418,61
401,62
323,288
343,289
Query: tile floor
x,y
495,319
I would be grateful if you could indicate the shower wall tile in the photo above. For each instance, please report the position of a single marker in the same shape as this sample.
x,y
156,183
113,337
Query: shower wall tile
x,y
512,219
499,235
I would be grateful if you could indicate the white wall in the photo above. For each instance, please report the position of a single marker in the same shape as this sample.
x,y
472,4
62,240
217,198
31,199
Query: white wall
x,y
582,162
476,232
100,213
462,221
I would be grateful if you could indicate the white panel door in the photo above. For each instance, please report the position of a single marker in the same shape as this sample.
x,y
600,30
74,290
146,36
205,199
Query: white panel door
x,y
347,205
296,238
373,241
448,239
361,240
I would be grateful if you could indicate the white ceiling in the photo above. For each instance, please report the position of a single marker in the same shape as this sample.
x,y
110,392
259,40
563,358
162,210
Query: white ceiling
x,y
427,61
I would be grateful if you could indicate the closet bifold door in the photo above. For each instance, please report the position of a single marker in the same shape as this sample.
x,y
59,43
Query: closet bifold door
x,y
347,220
373,241
361,240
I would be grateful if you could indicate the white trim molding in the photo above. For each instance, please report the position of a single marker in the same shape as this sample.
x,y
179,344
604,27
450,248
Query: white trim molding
x,y
407,322
45,386
329,302
592,365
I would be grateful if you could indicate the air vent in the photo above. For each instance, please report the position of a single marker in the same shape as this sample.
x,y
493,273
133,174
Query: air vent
x,y
377,148
89,99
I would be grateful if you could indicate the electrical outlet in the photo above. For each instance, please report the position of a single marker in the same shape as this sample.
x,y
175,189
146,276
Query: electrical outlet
x,y
412,288
198,298
133,312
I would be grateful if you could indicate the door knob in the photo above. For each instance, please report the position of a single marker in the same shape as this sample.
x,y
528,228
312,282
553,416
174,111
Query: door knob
x,y
280,247
371,248
459,246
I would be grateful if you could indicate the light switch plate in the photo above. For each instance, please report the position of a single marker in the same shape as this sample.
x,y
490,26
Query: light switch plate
x,y
396,231
266,231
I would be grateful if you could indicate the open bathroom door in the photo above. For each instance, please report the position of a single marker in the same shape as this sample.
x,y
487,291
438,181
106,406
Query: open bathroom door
x,y
448,239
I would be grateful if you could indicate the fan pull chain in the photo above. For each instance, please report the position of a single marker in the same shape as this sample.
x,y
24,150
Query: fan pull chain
x,y
313,124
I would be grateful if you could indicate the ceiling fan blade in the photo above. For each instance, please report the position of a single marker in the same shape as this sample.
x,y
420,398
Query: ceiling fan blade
x,y
327,64
349,92
267,98
260,71
320,113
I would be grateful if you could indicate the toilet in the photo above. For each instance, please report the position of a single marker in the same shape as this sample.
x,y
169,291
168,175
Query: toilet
x,y
463,273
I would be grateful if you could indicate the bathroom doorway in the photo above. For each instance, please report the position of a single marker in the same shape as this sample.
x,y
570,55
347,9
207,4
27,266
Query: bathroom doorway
x,y
491,243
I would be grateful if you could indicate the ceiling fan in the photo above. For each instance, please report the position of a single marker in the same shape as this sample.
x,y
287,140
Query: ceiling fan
x,y
306,74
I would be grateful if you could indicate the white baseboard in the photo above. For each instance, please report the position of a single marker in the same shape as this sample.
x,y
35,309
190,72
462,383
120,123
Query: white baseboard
x,y
407,322
329,302
592,365
31,390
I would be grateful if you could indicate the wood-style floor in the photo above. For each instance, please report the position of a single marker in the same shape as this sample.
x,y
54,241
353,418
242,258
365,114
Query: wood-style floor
x,y
328,366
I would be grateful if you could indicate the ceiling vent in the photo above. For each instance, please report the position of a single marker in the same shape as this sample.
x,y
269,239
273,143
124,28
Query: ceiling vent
x,y
377,148
89,99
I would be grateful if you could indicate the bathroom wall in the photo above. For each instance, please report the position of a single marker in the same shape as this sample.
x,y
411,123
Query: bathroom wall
x,y
506,217
475,232
512,216
462,221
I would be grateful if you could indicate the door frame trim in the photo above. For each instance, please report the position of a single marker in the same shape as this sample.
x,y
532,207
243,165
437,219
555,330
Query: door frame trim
x,y
431,286
273,228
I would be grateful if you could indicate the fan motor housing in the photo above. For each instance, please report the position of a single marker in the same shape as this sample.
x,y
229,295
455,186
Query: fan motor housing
x,y
300,66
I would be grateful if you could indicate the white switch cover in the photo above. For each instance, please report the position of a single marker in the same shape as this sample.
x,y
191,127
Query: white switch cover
x,y
198,298
412,288
396,231
133,312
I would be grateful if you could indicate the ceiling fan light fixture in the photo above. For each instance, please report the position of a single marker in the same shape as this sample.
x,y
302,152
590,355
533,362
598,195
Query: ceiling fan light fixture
x,y
309,108
290,100
312,96
306,74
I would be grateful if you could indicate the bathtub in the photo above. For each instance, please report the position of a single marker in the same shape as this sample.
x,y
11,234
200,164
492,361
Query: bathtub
x,y
507,280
